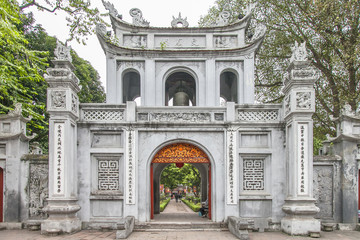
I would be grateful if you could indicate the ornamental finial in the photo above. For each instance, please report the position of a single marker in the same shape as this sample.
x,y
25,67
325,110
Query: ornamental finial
x,y
62,52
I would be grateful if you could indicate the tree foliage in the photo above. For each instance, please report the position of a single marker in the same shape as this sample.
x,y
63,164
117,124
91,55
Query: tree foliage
x,y
25,53
81,17
331,30
20,67
173,176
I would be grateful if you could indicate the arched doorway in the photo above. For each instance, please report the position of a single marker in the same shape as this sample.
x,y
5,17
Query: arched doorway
x,y
180,90
180,153
1,193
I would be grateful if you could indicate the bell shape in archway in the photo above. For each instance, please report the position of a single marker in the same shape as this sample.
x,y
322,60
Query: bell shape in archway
x,y
181,99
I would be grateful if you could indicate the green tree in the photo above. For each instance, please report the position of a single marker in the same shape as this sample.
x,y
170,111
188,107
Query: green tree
x,y
81,17
25,53
173,176
20,68
91,89
332,35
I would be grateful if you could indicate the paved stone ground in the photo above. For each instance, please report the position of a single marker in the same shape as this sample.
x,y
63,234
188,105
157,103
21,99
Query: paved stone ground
x,y
174,212
178,212
174,235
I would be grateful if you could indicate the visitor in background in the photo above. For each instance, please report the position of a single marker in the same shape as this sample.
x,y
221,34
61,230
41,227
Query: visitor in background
x,y
204,208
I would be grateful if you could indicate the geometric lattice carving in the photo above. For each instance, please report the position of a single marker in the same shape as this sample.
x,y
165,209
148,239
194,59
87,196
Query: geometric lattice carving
x,y
264,115
108,175
103,115
253,175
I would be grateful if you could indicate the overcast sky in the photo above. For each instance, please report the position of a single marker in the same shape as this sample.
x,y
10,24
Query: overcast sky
x,y
158,12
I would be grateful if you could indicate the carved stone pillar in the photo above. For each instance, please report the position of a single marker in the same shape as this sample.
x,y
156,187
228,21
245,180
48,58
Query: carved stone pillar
x,y
299,105
347,145
63,107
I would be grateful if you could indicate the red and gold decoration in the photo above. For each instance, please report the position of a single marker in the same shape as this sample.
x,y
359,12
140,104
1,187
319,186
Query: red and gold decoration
x,y
180,153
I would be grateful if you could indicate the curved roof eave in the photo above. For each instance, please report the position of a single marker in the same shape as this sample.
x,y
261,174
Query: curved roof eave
x,y
125,26
108,47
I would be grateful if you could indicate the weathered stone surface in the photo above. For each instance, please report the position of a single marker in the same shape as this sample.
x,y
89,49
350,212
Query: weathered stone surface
x,y
238,227
128,226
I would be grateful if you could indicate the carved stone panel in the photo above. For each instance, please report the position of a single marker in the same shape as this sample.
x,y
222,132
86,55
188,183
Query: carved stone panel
x,y
38,190
106,140
180,117
74,103
225,41
135,41
323,190
303,100
181,41
254,140
58,99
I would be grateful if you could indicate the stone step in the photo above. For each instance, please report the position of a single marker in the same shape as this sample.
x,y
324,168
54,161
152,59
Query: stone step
x,y
195,226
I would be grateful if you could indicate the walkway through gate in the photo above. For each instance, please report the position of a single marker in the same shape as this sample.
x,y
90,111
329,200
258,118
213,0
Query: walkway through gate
x,y
180,153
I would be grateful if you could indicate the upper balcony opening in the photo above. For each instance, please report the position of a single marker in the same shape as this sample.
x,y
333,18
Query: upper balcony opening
x,y
180,90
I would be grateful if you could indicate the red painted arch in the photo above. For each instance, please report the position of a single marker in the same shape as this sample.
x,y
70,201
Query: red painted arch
x,y
179,153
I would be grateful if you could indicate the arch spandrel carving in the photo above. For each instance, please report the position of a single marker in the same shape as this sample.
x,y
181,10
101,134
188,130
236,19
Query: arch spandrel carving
x,y
181,153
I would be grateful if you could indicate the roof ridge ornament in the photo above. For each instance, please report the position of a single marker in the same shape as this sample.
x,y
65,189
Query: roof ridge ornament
x,y
62,52
179,20
110,7
299,52
260,31
138,20
224,16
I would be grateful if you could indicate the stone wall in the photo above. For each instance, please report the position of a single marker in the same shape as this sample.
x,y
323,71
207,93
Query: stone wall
x,y
327,187
36,179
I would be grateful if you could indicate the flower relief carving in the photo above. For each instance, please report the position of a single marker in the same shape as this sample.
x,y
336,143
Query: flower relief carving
x,y
62,52
179,20
58,99
138,20
180,117
303,100
299,52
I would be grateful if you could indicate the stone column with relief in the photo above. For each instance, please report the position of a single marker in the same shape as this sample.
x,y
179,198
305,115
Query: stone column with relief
x,y
63,107
299,106
346,144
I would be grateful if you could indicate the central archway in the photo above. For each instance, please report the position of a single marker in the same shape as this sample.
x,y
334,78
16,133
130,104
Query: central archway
x,y
180,153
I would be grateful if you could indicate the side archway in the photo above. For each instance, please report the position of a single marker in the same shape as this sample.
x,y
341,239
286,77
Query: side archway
x,y
179,153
